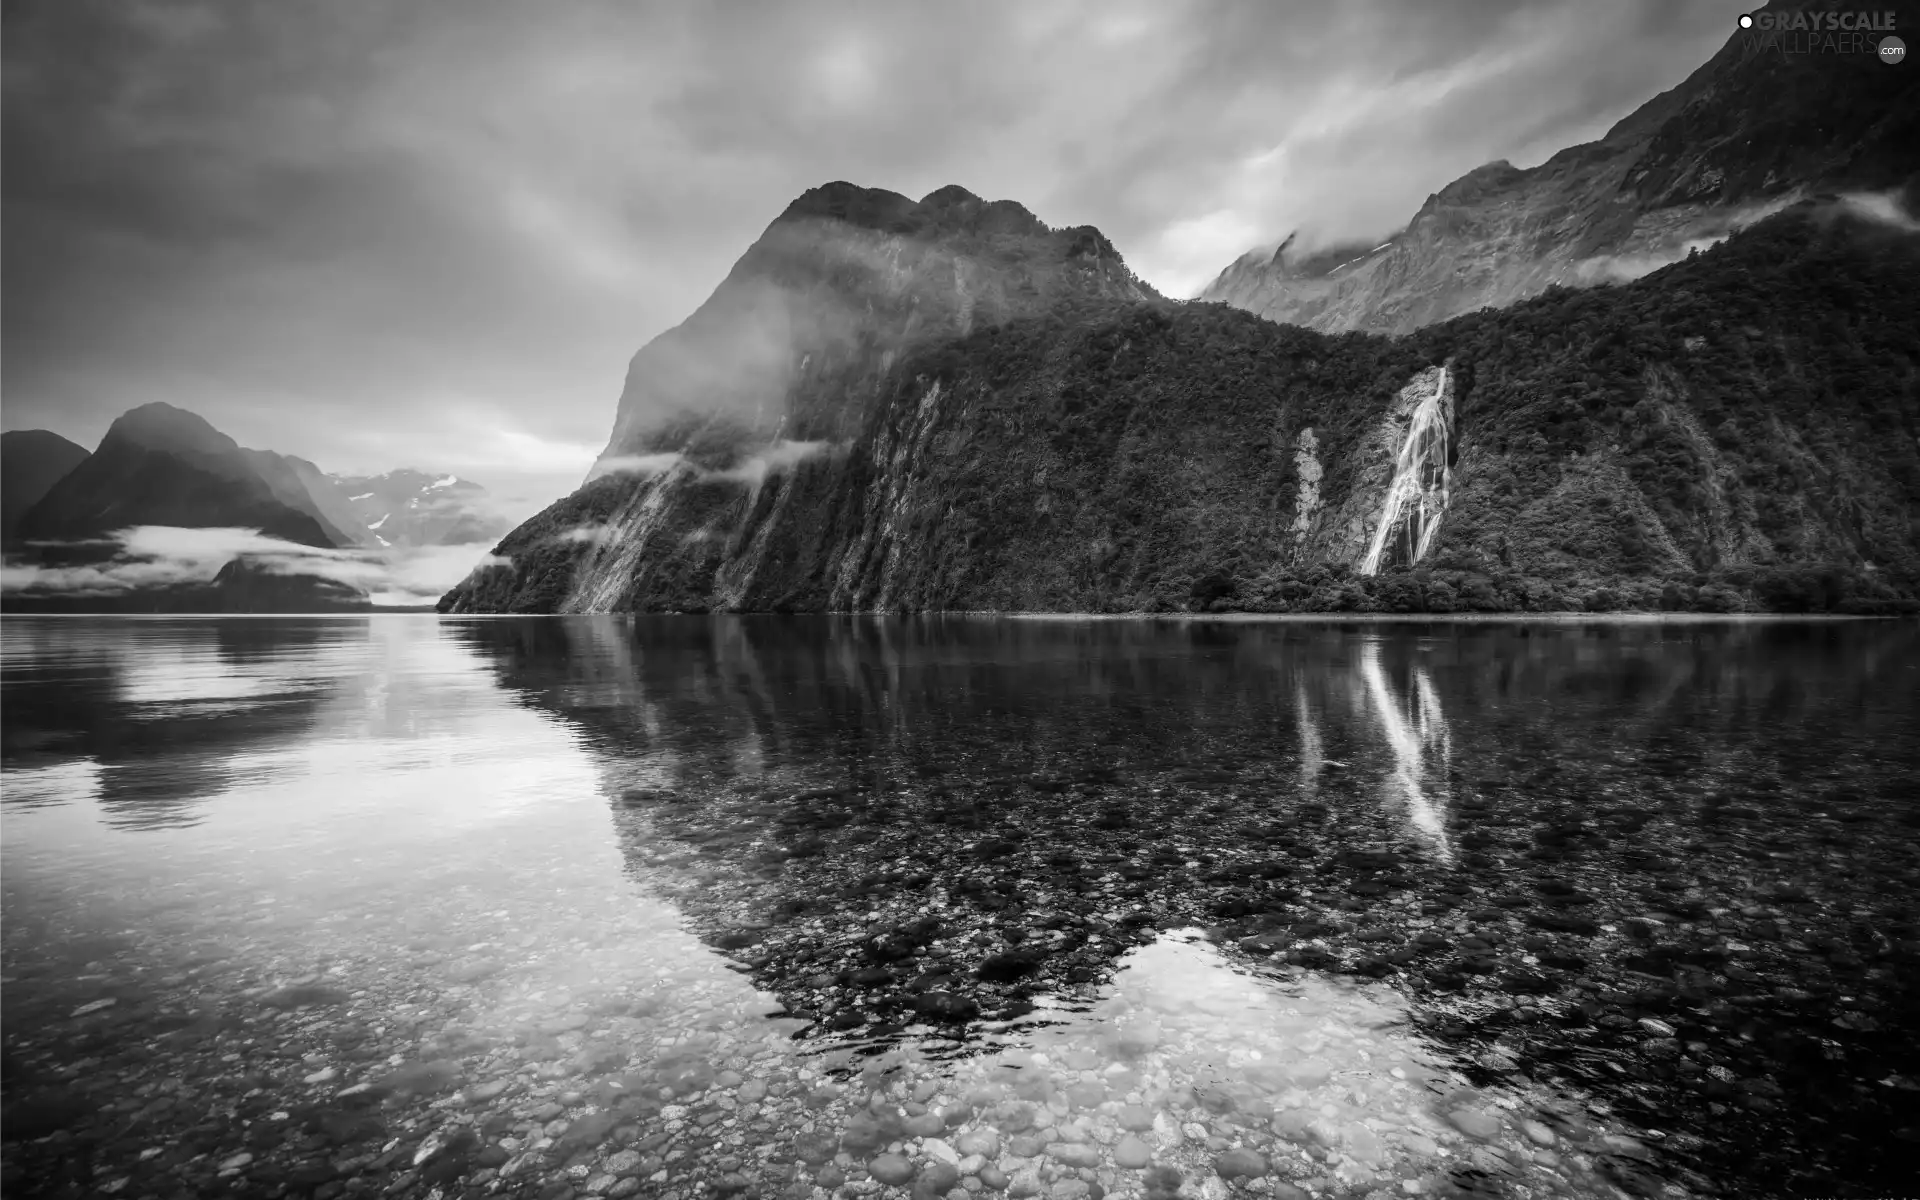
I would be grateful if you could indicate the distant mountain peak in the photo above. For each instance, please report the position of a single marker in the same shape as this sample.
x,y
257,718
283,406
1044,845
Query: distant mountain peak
x,y
949,209
161,426
794,341
159,410
162,465
849,202
1748,132
411,507
32,461
949,196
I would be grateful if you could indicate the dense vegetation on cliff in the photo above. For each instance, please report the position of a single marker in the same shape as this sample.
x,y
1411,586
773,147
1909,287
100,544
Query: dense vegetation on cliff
x,y
1737,431
1742,427
545,550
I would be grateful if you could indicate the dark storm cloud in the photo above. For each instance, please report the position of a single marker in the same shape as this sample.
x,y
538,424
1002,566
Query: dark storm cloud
x,y
432,233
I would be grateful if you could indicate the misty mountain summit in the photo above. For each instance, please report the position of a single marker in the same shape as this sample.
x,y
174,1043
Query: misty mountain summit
x,y
160,467
797,339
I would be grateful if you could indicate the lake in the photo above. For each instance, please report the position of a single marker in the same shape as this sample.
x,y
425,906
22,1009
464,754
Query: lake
x,y
809,907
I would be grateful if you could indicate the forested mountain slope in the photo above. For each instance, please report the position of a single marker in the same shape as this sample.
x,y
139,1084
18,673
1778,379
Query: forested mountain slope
x,y
1735,431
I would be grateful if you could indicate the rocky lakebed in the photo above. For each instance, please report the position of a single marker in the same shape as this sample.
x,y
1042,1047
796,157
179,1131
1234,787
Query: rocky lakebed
x,y
1187,964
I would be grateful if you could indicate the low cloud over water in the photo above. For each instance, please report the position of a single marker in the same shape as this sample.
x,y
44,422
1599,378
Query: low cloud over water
x,y
153,556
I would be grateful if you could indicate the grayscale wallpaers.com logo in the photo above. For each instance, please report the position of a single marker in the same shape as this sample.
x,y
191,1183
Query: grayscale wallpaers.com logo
x,y
1826,33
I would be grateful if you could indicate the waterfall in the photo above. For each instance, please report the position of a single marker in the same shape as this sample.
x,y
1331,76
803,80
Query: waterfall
x,y
1418,494
605,576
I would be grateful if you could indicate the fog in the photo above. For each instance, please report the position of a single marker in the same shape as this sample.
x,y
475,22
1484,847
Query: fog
x,y
1881,207
154,556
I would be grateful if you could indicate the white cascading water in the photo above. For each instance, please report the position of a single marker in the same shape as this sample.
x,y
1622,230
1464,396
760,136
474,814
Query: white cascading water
x,y
606,573
1418,494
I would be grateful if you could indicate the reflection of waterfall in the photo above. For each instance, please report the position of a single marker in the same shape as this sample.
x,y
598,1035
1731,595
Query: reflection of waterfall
x,y
1417,498
1312,755
1410,739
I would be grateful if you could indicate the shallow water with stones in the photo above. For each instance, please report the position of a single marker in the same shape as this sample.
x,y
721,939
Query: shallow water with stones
x,y
810,907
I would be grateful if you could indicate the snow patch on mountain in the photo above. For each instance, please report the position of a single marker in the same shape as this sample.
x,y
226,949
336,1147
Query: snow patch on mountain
x,y
413,508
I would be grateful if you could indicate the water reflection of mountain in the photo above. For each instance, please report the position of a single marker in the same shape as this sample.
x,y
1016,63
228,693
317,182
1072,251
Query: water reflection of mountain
x,y
162,712
1672,865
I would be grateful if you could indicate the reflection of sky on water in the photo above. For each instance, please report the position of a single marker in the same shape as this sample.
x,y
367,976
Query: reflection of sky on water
x,y
418,826
1334,1066
166,712
76,782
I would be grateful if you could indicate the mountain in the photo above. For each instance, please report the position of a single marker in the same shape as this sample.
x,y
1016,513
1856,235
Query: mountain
x,y
299,484
790,359
31,462
795,343
161,465
412,508
1748,133
1738,430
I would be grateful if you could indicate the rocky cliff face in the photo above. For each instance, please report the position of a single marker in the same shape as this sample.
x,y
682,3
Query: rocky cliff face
x,y
1750,132
1737,430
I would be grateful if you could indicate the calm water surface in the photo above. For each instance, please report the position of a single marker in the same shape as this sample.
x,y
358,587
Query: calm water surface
x,y
808,907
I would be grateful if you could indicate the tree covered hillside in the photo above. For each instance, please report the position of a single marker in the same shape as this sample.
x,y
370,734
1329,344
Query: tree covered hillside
x,y
1761,399
1737,431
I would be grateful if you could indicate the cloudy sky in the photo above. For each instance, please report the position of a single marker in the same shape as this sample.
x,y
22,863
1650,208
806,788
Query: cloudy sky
x,y
431,232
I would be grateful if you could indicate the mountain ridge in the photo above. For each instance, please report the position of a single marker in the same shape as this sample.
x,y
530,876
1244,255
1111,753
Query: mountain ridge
x,y
1746,133
31,462
162,465
410,507
1130,456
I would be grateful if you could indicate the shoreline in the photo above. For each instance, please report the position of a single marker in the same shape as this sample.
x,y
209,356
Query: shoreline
x,y
1557,618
